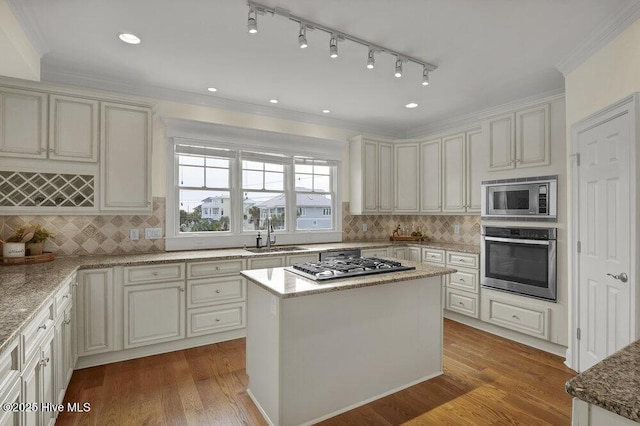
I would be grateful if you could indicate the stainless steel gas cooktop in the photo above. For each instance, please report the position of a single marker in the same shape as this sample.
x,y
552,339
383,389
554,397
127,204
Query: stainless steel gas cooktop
x,y
350,267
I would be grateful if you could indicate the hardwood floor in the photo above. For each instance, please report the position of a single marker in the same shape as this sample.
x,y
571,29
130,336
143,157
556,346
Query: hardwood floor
x,y
487,381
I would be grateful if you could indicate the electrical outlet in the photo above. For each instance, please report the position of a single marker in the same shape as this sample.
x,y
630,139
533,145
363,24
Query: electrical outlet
x,y
456,229
134,234
364,227
152,233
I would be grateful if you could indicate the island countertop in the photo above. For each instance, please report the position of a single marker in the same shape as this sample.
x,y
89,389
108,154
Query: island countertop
x,y
286,284
613,383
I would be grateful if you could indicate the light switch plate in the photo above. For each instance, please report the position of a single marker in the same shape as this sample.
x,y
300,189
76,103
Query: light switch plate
x,y
364,227
134,234
456,229
152,233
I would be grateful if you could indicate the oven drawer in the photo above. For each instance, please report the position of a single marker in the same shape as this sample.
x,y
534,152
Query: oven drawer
x,y
462,259
211,269
430,255
462,302
520,316
464,279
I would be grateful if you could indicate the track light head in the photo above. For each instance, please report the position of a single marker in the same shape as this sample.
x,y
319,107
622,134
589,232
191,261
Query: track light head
x,y
252,21
425,76
333,46
398,73
302,38
371,60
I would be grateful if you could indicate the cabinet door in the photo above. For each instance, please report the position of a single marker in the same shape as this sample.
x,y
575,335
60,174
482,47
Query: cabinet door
x,y
68,355
453,181
407,188
399,252
370,176
73,128
532,137
23,123
500,134
385,177
125,160
95,312
430,187
414,254
12,396
48,361
32,390
476,164
153,313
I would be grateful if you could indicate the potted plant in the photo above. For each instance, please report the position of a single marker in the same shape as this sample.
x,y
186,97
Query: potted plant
x,y
33,245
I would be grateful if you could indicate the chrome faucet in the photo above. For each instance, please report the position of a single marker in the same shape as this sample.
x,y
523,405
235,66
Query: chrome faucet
x,y
269,231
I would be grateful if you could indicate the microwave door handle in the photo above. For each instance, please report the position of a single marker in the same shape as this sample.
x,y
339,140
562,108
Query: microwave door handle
x,y
518,241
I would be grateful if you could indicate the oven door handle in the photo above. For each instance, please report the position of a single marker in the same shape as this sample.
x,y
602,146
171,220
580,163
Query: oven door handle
x,y
519,241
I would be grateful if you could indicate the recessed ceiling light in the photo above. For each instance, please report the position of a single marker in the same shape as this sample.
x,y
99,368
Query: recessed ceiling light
x,y
273,101
326,111
129,38
212,89
411,105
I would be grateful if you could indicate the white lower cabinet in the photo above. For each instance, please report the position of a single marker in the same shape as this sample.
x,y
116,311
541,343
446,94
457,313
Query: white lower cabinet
x,y
10,384
153,313
10,396
95,311
266,262
38,383
215,319
463,302
523,315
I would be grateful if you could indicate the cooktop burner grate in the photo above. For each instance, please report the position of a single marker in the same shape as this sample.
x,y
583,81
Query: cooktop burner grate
x,y
344,268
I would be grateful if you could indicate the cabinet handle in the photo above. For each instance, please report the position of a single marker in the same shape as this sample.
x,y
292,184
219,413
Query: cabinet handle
x,y
44,361
43,326
460,303
217,319
514,316
461,260
67,322
75,284
182,289
218,291
66,296
217,268
462,279
517,160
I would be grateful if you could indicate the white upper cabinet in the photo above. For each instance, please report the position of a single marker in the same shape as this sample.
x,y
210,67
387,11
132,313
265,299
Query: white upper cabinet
x,y
520,139
371,172
125,160
407,178
430,176
476,166
73,128
453,173
23,123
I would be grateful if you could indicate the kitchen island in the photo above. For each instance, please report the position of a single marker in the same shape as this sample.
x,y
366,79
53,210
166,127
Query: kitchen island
x,y
315,350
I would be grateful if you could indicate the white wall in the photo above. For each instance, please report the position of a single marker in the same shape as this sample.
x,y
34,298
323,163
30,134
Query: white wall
x,y
18,58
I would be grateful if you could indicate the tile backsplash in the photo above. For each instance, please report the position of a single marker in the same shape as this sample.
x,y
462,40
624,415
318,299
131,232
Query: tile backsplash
x,y
94,234
437,228
109,234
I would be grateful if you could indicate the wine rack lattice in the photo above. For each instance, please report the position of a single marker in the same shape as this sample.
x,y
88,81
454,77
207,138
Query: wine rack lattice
x,y
34,189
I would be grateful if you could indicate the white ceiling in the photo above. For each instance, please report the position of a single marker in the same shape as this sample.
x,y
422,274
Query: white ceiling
x,y
488,52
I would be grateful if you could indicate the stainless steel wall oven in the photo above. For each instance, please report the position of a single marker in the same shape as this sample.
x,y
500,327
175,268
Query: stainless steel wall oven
x,y
519,260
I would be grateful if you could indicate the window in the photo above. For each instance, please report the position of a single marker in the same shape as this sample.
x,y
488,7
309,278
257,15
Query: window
x,y
314,194
203,183
263,183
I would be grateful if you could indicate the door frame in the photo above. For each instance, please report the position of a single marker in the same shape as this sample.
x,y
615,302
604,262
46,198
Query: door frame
x,y
629,105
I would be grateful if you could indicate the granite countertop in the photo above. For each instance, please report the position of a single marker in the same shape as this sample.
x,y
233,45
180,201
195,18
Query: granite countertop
x,y
286,284
25,289
613,383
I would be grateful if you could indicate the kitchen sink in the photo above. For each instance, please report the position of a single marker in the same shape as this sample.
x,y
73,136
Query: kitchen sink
x,y
277,249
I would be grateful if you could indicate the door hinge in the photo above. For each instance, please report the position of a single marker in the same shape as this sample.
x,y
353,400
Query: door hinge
x,y
578,334
579,246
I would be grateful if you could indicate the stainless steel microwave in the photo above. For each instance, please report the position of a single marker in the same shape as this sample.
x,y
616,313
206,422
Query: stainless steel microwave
x,y
532,199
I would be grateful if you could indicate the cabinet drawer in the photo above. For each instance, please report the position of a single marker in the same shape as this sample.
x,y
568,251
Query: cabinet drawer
x,y
64,296
529,319
266,262
432,255
153,273
464,279
462,259
36,330
462,302
211,269
213,291
9,366
301,258
379,252
216,319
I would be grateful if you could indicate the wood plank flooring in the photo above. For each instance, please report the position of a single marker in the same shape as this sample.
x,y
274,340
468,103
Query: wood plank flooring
x,y
488,381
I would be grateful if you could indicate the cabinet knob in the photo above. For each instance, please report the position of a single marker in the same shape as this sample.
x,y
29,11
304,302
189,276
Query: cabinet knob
x,y
43,326
217,319
217,268
67,322
517,160
44,361
514,316
218,291
462,279
460,303
182,289
155,274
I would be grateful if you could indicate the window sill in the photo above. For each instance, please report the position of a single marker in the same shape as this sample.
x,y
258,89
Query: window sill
x,y
202,242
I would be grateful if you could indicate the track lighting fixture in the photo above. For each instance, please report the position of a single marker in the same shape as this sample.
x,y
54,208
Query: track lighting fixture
x,y
256,9
302,38
398,73
425,77
371,60
333,46
252,20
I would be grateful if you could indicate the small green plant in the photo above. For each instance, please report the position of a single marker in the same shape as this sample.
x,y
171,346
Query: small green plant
x,y
40,233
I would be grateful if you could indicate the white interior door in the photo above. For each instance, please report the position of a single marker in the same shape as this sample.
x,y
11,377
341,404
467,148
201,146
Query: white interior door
x,y
604,296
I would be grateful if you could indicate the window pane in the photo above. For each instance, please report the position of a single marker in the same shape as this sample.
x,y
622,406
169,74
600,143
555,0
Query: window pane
x,y
252,165
191,160
274,181
322,183
191,176
218,162
304,182
314,211
274,167
257,206
322,170
204,211
217,178
252,179
304,168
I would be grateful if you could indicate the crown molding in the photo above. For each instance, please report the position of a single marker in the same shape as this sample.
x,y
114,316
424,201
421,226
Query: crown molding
x,y
468,121
604,33
61,74
29,26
